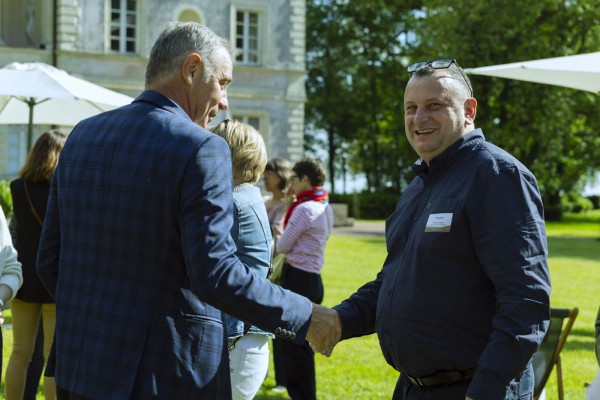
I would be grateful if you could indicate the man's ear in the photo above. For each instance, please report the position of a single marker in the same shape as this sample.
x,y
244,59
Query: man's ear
x,y
192,64
470,111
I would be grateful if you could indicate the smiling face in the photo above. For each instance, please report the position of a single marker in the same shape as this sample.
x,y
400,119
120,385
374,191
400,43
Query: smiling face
x,y
207,98
437,112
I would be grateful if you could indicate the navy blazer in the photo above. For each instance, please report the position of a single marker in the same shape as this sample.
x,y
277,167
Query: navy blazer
x,y
137,253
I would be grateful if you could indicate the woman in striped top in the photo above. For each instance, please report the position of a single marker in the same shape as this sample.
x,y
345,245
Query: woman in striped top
x,y
307,224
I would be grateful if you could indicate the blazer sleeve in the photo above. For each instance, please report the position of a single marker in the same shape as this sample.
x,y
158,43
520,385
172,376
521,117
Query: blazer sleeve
x,y
216,274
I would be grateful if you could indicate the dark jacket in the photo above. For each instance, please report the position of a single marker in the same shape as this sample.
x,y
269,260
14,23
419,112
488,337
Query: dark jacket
x,y
137,253
466,281
26,231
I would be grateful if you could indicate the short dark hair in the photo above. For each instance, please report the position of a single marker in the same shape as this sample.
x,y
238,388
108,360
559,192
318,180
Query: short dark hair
x,y
312,168
283,169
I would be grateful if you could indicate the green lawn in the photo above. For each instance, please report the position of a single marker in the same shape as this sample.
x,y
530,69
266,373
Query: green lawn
x,y
357,369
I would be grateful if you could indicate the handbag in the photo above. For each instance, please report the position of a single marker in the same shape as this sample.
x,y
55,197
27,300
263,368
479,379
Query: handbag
x,y
276,269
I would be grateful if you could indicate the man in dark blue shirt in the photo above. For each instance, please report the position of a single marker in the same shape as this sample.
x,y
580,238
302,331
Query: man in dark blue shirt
x,y
462,301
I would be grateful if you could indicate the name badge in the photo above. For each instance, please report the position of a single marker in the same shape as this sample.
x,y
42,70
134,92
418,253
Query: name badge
x,y
439,222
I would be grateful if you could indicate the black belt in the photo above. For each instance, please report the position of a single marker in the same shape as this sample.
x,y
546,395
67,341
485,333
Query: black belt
x,y
442,378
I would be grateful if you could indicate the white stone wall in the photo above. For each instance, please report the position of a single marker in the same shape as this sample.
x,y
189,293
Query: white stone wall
x,y
272,91
68,33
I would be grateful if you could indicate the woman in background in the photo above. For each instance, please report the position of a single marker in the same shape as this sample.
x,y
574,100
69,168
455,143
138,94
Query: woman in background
x,y
248,345
33,302
307,224
277,178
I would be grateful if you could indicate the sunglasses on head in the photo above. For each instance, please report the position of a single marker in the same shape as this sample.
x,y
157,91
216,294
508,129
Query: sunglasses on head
x,y
438,63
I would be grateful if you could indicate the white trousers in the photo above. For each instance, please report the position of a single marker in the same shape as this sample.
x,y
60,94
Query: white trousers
x,y
248,363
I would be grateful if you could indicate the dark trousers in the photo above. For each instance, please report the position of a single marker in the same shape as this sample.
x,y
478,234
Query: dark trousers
x,y
298,361
280,378
62,394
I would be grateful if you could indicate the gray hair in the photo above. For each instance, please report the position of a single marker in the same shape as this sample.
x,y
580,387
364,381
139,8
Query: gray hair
x,y
178,40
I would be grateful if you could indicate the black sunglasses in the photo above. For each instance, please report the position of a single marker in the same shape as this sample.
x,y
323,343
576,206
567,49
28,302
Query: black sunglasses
x,y
439,63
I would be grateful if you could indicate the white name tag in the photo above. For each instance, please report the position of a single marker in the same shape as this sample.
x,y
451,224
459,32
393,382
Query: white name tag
x,y
439,222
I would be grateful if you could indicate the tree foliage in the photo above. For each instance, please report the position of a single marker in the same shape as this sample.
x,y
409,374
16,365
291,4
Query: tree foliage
x,y
358,51
354,85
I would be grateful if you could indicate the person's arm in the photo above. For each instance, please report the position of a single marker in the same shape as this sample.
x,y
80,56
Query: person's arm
x,y
509,239
217,276
11,276
358,312
297,224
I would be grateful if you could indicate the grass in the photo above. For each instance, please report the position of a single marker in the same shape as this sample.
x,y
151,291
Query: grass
x,y
357,369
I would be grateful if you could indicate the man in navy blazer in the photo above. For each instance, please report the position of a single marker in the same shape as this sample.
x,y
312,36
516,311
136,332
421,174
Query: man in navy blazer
x,y
136,247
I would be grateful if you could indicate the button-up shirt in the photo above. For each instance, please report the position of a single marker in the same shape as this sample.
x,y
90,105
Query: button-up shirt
x,y
466,282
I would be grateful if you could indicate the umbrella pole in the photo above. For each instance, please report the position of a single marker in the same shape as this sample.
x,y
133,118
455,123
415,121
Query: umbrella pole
x,y
31,103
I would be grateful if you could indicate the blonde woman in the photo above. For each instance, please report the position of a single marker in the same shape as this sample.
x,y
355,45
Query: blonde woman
x,y
248,345
33,302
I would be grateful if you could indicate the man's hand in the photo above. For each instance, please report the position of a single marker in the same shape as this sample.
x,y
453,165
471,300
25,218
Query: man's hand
x,y
325,329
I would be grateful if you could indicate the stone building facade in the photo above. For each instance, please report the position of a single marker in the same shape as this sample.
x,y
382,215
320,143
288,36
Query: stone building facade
x,y
108,42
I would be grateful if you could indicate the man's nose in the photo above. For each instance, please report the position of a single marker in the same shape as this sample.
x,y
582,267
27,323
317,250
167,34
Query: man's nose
x,y
224,104
421,115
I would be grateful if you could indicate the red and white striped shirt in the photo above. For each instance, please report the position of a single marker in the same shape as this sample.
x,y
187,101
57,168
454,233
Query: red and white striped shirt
x,y
305,236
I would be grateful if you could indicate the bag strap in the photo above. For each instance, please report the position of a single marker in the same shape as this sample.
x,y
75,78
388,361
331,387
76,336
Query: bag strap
x,y
35,214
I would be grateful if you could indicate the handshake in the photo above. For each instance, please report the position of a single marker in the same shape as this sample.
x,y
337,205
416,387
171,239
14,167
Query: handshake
x,y
325,330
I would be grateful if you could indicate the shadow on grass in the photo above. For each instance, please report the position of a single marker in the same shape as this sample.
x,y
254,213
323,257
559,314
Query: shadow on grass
x,y
574,247
581,339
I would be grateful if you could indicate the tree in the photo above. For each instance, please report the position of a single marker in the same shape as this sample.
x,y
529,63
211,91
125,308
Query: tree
x,y
552,130
353,85
358,51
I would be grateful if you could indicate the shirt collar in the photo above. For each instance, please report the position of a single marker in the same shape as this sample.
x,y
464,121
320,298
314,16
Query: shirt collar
x,y
420,166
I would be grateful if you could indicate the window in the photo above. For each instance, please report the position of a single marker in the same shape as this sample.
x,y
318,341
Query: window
x,y
123,26
246,37
17,148
259,119
189,15
254,121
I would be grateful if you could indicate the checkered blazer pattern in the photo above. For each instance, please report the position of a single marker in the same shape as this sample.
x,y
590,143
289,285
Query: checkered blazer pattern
x,y
137,253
